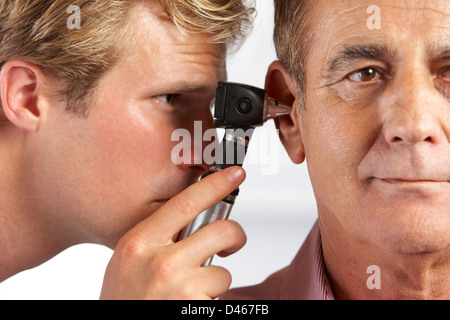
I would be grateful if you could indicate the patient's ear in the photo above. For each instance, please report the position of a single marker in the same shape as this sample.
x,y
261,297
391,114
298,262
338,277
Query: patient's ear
x,y
21,86
281,87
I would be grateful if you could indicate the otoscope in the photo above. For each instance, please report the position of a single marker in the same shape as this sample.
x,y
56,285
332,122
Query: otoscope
x,y
239,109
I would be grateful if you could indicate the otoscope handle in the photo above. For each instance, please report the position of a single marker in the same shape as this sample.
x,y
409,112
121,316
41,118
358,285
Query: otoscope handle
x,y
231,152
219,211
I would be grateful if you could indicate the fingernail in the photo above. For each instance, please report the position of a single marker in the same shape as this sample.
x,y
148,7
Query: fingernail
x,y
235,174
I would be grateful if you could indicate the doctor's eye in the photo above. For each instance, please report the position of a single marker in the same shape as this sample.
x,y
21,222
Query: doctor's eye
x,y
365,75
166,98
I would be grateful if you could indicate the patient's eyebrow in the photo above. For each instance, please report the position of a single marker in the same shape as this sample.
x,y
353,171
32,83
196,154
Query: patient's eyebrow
x,y
442,53
357,52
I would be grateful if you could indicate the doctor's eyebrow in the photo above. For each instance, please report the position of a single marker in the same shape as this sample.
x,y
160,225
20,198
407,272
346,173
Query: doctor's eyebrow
x,y
357,52
189,87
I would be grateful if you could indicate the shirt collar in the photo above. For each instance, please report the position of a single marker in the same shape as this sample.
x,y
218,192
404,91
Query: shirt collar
x,y
306,278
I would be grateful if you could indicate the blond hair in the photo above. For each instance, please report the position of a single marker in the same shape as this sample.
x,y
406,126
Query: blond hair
x,y
37,31
293,37
227,21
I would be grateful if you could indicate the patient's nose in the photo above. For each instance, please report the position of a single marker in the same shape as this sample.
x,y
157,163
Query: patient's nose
x,y
417,114
409,127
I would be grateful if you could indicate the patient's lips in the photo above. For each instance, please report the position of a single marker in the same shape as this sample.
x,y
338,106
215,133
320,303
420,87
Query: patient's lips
x,y
415,164
412,180
406,170
412,176
423,186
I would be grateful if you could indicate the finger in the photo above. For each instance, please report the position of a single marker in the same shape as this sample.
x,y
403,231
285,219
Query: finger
x,y
203,284
216,281
219,236
162,225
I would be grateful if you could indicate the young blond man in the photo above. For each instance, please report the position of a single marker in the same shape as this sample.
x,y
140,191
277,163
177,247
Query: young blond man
x,y
87,116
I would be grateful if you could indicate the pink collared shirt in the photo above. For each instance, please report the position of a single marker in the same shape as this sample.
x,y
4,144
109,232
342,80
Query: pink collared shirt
x,y
303,279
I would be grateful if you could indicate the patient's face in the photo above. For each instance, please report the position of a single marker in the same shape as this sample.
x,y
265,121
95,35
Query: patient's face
x,y
377,124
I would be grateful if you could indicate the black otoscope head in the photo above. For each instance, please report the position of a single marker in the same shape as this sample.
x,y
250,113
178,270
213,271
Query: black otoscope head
x,y
240,106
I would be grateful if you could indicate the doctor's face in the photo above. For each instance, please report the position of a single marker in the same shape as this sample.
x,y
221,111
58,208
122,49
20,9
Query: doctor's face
x,y
377,124
108,171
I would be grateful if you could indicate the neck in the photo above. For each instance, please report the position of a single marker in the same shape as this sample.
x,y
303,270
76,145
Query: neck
x,y
28,237
359,270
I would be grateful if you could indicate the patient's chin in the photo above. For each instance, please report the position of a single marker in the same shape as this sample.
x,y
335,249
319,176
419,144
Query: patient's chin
x,y
411,245
405,229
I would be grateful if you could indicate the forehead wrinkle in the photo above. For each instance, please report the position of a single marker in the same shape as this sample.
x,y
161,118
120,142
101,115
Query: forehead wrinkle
x,y
333,13
421,9
337,14
190,52
426,5
209,62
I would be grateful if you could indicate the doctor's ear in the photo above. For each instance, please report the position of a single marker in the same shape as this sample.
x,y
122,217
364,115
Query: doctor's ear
x,y
280,86
22,83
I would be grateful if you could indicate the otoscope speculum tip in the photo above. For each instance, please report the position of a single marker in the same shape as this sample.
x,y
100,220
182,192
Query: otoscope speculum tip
x,y
274,109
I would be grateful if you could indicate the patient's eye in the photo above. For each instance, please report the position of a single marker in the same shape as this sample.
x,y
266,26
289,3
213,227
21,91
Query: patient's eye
x,y
442,82
446,74
365,75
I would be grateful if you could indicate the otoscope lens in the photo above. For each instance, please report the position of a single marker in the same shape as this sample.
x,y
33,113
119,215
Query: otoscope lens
x,y
244,105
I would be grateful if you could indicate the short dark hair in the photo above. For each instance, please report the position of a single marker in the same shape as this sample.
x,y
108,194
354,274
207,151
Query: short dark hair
x,y
293,39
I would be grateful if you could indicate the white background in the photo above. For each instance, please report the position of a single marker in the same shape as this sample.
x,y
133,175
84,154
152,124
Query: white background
x,y
276,211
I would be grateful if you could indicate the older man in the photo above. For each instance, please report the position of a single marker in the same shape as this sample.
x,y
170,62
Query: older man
x,y
91,92
370,84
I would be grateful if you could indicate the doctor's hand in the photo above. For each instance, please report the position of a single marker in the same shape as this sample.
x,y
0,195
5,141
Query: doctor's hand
x,y
148,264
